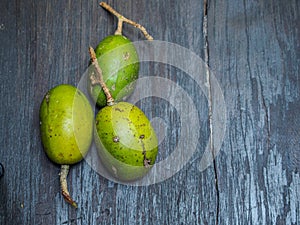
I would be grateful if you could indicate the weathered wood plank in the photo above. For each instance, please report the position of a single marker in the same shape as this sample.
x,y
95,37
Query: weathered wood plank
x,y
254,50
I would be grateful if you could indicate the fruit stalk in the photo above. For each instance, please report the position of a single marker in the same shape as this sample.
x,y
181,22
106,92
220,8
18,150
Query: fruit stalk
x,y
122,19
64,186
109,98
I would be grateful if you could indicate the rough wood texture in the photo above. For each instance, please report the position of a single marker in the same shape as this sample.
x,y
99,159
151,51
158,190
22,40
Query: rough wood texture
x,y
254,54
254,49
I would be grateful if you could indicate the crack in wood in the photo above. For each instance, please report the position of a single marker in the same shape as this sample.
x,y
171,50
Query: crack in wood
x,y
208,83
264,105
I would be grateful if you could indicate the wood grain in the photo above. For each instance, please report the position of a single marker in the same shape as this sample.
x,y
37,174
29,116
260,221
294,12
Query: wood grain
x,y
254,54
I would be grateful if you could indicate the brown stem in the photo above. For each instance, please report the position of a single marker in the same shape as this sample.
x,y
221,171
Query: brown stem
x,y
109,98
64,185
122,19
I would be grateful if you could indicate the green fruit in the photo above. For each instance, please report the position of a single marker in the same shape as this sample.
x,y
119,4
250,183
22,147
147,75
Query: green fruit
x,y
126,141
66,124
119,62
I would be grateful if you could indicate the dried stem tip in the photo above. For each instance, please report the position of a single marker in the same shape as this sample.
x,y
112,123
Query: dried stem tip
x,y
64,186
99,77
122,19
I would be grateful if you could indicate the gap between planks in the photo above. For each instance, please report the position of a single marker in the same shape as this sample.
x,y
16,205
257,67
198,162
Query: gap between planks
x,y
208,82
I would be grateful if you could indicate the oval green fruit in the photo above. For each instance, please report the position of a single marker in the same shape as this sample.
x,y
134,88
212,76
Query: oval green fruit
x,y
119,62
66,124
126,141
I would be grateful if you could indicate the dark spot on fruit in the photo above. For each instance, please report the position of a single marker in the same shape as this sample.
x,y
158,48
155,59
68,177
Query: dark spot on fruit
x,y
60,155
70,155
118,109
126,56
116,139
132,108
147,163
142,136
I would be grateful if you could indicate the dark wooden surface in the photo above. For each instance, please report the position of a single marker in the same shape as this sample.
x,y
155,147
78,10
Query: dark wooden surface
x,y
253,51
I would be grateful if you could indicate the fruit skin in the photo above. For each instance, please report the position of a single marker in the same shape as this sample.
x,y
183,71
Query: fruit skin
x,y
66,124
119,62
125,140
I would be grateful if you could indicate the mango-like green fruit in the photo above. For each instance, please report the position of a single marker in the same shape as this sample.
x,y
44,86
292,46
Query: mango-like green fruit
x,y
66,124
119,62
126,141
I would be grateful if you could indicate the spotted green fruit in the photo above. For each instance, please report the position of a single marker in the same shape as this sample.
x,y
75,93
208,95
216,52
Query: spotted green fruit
x,y
66,124
119,62
126,141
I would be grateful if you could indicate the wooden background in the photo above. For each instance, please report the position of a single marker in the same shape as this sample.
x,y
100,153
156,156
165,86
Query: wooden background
x,y
253,51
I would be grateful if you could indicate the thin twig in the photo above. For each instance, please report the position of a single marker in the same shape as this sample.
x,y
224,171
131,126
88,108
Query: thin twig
x,y
109,98
64,186
122,19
